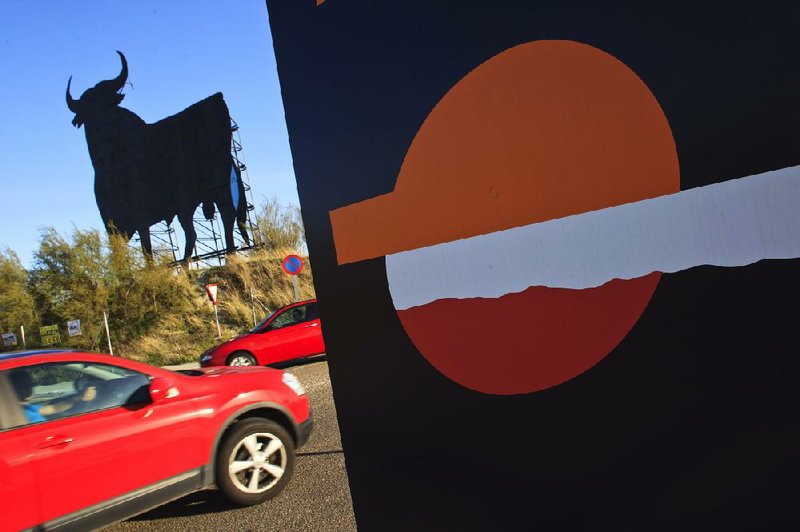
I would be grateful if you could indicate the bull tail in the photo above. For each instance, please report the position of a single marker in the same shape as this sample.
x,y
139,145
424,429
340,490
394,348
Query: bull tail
x,y
208,209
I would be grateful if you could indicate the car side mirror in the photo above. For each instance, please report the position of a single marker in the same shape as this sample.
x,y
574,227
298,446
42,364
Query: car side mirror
x,y
162,388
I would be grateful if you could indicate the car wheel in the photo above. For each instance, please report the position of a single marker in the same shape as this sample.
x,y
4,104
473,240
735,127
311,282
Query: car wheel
x,y
241,358
255,461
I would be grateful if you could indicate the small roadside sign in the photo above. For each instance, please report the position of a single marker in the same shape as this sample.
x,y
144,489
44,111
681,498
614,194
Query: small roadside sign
x,y
211,290
292,264
74,327
9,339
49,335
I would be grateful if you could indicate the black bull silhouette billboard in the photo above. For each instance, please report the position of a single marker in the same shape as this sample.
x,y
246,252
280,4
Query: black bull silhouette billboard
x,y
555,249
149,173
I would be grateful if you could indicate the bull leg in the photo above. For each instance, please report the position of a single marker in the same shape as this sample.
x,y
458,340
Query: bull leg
x,y
228,215
147,246
189,234
240,221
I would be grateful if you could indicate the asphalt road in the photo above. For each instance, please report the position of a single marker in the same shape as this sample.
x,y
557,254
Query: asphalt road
x,y
317,498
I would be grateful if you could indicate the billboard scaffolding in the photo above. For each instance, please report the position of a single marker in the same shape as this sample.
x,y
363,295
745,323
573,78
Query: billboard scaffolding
x,y
209,249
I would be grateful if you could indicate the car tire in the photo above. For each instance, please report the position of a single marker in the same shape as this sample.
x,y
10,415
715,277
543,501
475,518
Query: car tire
x,y
241,358
254,446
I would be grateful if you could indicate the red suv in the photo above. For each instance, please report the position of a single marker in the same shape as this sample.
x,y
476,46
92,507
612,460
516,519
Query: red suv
x,y
289,333
88,439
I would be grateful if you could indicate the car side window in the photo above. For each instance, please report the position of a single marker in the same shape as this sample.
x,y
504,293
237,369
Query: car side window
x,y
52,391
311,313
291,316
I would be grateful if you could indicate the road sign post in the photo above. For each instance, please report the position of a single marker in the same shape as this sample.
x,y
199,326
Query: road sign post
x,y
108,334
293,265
253,306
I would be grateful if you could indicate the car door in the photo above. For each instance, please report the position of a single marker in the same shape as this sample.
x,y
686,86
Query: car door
x,y
316,344
19,504
108,446
287,336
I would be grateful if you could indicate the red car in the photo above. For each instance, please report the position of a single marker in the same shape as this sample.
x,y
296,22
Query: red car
x,y
89,439
289,333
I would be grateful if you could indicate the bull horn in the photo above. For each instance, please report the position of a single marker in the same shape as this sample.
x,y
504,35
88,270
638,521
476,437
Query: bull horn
x,y
120,80
71,103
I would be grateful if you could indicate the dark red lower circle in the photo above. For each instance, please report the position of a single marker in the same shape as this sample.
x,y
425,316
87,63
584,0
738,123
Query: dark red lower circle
x,y
529,341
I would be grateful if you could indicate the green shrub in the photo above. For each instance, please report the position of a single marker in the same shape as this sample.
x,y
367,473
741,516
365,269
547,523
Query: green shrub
x,y
155,313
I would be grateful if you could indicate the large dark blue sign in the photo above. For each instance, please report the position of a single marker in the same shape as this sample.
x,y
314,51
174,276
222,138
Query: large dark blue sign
x,y
555,250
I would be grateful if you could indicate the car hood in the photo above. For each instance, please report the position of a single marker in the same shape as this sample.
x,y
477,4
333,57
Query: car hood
x,y
237,337
232,370
212,349
218,371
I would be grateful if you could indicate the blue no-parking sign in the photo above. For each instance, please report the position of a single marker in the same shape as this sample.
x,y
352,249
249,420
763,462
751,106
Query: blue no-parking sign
x,y
292,264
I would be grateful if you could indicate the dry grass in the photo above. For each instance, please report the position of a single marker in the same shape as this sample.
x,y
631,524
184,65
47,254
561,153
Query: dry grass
x,y
182,338
261,275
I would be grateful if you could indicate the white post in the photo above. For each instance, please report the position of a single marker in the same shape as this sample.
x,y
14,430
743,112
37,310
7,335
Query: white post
x,y
216,316
108,334
294,283
22,333
253,306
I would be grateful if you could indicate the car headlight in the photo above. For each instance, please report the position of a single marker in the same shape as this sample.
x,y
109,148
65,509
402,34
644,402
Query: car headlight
x,y
206,356
294,383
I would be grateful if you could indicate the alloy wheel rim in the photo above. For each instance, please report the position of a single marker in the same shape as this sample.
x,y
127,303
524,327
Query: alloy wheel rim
x,y
241,361
257,462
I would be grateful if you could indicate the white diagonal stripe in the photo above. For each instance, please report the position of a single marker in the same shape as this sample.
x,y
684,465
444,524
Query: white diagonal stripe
x,y
733,223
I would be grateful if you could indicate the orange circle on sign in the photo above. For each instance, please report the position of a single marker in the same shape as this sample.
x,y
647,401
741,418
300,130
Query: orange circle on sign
x,y
543,130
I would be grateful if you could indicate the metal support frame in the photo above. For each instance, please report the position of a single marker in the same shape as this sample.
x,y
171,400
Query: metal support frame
x,y
236,149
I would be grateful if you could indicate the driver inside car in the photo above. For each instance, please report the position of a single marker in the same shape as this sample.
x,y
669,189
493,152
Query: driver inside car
x,y
36,413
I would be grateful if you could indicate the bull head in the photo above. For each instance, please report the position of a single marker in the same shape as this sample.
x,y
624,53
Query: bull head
x,y
99,98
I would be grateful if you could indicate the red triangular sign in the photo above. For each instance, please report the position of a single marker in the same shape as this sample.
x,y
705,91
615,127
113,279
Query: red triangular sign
x,y
211,290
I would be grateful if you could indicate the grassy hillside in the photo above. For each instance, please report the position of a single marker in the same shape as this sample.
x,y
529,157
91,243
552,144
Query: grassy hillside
x,y
181,337
155,314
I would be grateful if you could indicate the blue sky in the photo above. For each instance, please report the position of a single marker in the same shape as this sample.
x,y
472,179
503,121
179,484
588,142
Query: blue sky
x,y
178,52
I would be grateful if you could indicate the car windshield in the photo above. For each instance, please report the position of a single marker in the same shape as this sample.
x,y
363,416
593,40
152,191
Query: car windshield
x,y
257,327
